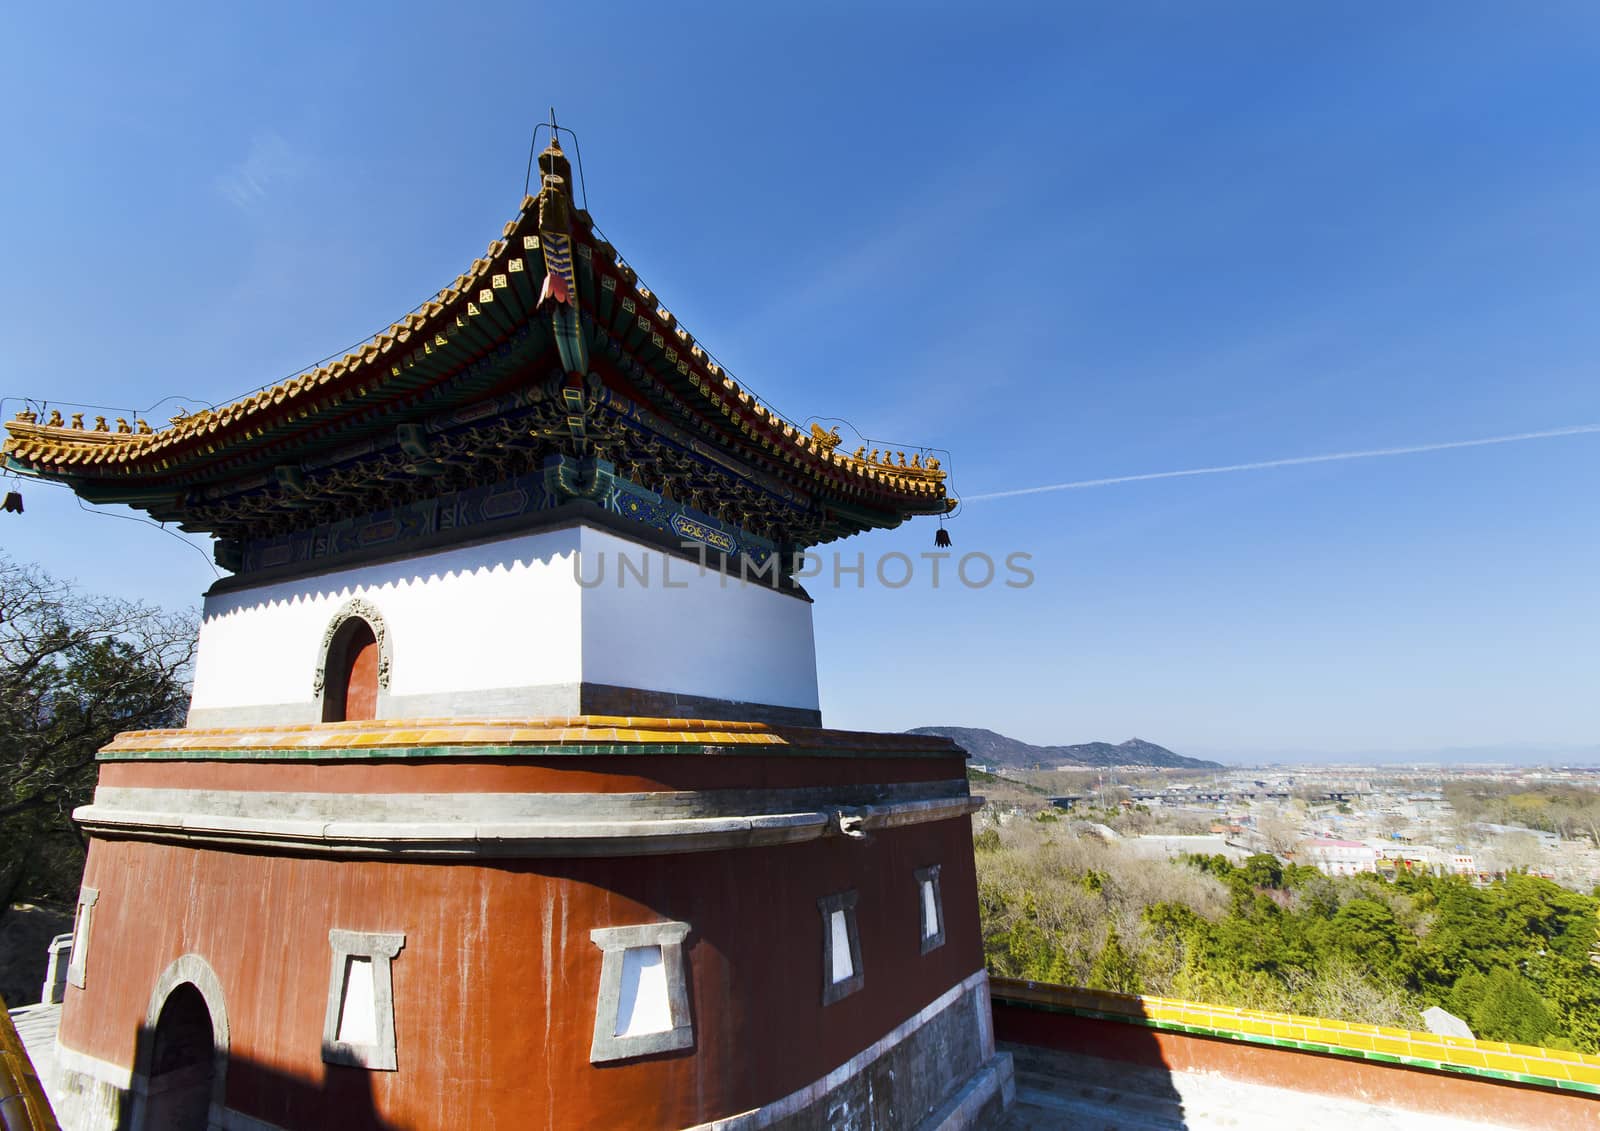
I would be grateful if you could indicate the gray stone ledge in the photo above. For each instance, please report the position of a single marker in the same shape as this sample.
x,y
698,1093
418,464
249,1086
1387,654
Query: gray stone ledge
x,y
510,824
909,800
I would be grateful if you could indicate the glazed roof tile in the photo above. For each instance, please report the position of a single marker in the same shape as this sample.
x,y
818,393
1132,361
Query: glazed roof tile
x,y
127,455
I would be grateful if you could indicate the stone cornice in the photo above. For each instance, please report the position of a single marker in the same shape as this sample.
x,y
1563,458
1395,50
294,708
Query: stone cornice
x,y
518,824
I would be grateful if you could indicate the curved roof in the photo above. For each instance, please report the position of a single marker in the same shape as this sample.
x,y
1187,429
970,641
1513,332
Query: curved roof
x,y
498,298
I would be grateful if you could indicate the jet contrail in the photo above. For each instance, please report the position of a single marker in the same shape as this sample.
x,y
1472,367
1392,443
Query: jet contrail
x,y
1296,461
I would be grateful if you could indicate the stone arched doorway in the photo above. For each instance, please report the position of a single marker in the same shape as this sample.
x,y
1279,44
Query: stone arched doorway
x,y
181,1074
354,665
352,689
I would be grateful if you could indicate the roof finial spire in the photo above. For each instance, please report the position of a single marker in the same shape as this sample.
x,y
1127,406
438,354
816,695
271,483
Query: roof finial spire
x,y
554,169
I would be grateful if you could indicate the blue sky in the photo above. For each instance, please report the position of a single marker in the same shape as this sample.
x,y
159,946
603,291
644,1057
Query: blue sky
x,y
1065,242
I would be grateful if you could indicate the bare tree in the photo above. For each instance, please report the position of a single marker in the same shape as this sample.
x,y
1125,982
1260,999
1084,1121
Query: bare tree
x,y
1279,835
1518,852
74,671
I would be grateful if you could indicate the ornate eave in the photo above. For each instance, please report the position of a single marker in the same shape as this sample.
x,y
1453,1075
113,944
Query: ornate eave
x,y
547,347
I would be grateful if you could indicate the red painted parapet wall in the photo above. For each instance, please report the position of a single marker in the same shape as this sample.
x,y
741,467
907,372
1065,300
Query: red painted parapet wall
x,y
489,856
1487,1081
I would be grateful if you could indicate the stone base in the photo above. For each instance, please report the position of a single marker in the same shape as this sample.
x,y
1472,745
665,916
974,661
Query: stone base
x,y
90,1097
981,1102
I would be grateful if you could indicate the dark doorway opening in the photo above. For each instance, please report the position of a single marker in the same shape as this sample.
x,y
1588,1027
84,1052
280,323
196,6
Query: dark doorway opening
x,y
183,1063
350,691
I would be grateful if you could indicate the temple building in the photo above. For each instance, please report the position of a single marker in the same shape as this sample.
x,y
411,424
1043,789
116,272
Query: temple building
x,y
504,798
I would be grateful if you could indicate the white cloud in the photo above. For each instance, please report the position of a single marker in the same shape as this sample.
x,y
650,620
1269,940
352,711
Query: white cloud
x,y
271,161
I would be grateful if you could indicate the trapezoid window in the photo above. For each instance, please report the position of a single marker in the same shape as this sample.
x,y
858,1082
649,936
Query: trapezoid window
x,y
82,925
352,688
643,1006
358,1029
930,908
841,947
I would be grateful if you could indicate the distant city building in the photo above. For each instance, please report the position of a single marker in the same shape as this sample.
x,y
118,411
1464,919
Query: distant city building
x,y
1172,847
1339,857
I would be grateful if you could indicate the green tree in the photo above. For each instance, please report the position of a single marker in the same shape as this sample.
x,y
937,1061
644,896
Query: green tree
x,y
1467,934
1263,871
1366,931
74,671
1502,1006
1114,968
1512,957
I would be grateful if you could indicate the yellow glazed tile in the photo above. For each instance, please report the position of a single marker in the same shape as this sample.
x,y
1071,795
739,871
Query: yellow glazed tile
x,y
1538,1066
1569,1057
1505,1062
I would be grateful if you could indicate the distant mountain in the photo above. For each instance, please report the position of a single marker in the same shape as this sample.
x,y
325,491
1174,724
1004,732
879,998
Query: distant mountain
x,y
992,748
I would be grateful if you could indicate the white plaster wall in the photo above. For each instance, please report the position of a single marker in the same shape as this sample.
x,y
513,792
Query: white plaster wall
x,y
512,614
499,614
706,634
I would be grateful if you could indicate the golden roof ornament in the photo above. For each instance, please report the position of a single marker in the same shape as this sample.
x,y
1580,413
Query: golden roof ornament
x,y
555,180
553,162
824,441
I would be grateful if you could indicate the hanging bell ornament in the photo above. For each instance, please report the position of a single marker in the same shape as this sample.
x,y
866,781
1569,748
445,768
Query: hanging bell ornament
x,y
13,502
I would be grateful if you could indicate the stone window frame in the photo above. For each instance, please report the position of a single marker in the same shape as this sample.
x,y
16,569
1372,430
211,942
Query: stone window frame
x,y
614,942
930,875
833,991
82,926
356,608
380,947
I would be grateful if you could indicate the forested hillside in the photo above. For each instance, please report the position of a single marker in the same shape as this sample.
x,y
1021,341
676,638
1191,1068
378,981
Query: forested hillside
x,y
1512,959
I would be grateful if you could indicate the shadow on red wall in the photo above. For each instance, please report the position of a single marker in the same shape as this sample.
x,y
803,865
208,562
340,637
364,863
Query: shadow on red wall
x,y
1074,1071
184,1083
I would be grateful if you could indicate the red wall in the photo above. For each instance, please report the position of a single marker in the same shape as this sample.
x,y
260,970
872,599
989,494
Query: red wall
x,y
632,773
495,989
